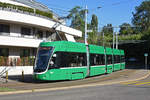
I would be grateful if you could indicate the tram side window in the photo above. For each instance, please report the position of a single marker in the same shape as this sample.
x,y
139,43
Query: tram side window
x,y
97,59
119,58
116,59
70,59
109,59
122,58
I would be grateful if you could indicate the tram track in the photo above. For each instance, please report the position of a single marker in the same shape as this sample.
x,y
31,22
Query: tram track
x,y
18,85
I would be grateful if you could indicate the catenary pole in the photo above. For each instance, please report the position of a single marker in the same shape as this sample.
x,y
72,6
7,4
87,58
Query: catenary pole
x,y
103,40
86,43
116,40
113,40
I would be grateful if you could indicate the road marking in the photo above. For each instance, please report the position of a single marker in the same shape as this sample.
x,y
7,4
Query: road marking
x,y
128,83
142,83
71,87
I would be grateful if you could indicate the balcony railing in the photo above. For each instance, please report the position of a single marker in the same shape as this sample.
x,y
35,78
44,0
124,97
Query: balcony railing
x,y
26,10
22,36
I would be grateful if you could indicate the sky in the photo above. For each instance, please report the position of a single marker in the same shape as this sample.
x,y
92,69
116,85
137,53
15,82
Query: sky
x,y
113,12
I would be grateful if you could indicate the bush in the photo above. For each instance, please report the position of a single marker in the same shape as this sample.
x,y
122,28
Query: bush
x,y
4,61
18,62
26,9
47,14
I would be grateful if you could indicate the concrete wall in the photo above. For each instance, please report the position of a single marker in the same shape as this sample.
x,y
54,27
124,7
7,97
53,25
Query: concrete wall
x,y
12,2
19,42
36,21
18,70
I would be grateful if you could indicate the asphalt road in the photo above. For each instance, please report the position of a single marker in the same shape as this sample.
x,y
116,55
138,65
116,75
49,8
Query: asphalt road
x,y
136,90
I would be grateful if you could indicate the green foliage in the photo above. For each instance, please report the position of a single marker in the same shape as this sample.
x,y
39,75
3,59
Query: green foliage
x,y
108,30
26,9
47,14
141,17
4,61
92,38
76,16
130,37
146,34
126,29
21,8
27,61
94,23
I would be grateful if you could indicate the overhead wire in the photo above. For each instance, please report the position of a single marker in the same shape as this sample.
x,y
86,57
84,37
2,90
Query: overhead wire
x,y
60,9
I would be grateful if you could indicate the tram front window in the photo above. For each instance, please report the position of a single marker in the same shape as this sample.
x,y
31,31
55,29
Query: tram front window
x,y
42,59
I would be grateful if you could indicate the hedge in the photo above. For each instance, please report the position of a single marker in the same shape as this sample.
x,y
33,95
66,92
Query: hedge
x,y
27,9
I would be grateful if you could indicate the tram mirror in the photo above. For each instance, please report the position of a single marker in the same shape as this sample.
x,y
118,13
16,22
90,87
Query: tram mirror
x,y
51,62
54,55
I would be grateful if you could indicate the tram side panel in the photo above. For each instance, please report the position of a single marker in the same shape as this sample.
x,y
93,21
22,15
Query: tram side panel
x,y
97,64
122,54
71,65
97,60
116,58
109,60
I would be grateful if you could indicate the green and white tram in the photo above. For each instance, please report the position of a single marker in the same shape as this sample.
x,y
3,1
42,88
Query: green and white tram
x,y
63,60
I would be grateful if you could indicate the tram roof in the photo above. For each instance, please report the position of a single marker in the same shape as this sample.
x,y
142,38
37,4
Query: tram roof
x,y
109,51
116,52
73,47
122,52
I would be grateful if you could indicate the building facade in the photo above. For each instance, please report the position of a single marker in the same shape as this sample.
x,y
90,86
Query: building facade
x,y
23,25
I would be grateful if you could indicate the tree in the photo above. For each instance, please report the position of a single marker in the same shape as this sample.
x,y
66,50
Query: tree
x,y
125,29
94,23
77,15
108,30
141,17
92,36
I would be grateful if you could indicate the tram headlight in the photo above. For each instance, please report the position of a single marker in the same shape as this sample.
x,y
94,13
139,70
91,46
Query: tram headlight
x,y
51,72
44,77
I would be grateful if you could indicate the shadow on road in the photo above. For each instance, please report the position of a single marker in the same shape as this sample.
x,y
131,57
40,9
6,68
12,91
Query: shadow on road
x,y
29,78
136,65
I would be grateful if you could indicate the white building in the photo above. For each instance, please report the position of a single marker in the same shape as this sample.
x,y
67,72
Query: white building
x,y
22,28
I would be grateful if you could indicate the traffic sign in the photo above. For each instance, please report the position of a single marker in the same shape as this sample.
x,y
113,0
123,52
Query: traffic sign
x,y
145,54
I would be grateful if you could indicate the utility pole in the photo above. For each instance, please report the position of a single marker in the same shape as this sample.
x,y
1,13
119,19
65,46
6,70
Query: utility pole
x,y
116,40
103,40
113,40
86,43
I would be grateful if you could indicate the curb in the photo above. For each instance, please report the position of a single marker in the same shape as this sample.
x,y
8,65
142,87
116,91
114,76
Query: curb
x,y
72,87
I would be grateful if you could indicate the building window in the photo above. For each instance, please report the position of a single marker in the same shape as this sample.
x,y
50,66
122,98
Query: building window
x,y
4,52
4,29
25,53
26,57
33,52
48,34
25,31
39,34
